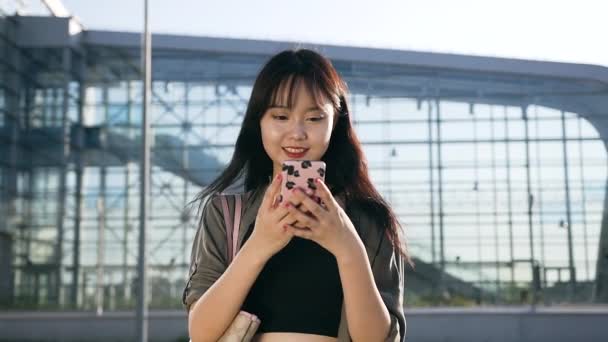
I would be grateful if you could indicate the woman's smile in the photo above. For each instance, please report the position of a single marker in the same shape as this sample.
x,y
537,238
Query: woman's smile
x,y
295,152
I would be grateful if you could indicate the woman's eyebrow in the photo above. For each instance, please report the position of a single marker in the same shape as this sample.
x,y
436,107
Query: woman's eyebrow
x,y
313,109
309,109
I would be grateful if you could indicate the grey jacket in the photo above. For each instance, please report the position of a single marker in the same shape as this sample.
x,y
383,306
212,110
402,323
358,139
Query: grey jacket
x,y
209,258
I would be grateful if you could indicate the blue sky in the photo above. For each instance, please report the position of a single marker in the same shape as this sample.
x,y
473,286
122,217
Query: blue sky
x,y
569,31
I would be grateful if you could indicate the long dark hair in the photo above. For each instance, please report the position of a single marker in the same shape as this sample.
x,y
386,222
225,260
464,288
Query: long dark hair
x,y
346,164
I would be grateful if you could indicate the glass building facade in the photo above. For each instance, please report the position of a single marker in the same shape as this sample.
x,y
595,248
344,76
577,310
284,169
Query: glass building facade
x,y
496,168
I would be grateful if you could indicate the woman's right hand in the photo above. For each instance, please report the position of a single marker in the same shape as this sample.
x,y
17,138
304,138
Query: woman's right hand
x,y
268,235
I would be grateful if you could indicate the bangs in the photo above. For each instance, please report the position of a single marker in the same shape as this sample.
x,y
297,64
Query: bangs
x,y
283,95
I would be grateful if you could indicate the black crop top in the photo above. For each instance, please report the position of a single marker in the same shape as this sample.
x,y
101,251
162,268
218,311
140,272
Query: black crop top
x,y
298,290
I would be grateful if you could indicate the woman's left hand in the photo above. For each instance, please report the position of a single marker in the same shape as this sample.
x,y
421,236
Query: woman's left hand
x,y
328,225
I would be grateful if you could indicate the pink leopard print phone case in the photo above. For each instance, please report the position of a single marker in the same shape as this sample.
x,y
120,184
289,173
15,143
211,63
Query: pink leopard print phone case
x,y
301,173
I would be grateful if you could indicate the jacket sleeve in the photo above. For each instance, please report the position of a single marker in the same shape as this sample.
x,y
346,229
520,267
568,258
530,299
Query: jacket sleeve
x,y
388,270
208,256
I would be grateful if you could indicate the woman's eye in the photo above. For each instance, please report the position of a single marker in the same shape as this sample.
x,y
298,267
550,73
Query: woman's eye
x,y
283,117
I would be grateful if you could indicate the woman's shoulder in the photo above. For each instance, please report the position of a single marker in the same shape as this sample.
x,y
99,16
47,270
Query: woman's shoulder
x,y
217,197
227,201
240,192
373,233
213,206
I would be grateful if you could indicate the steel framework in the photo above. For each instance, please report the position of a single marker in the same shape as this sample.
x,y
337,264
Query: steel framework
x,y
496,167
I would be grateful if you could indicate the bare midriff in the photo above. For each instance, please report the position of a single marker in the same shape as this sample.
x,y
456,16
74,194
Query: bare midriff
x,y
292,337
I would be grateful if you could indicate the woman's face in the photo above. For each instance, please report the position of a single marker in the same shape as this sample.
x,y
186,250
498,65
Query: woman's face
x,y
306,126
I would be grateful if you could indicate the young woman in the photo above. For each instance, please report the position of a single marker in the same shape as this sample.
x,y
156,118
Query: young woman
x,y
337,275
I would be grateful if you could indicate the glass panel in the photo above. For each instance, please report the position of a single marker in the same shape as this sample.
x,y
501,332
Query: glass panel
x,y
478,193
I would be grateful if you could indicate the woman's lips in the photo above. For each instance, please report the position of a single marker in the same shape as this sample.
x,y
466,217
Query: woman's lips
x,y
295,155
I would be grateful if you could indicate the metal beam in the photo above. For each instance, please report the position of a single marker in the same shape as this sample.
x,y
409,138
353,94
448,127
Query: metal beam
x,y
142,297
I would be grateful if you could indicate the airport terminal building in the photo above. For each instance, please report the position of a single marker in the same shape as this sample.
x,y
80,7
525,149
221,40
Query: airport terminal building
x,y
496,167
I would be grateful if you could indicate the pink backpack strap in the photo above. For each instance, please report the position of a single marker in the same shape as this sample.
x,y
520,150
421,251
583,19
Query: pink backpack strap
x,y
232,227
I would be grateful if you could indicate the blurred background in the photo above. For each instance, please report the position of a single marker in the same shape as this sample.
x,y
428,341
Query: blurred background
x,y
484,125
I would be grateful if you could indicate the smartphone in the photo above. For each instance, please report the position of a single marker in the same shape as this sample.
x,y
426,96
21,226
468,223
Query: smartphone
x,y
302,174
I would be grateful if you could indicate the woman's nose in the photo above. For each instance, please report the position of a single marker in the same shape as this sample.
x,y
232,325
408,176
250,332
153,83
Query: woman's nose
x,y
298,131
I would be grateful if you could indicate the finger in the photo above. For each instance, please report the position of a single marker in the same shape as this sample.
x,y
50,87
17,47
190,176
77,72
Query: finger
x,y
299,194
291,220
270,194
325,195
255,323
241,322
304,233
276,190
275,201
286,222
303,219
311,205
280,213
293,202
